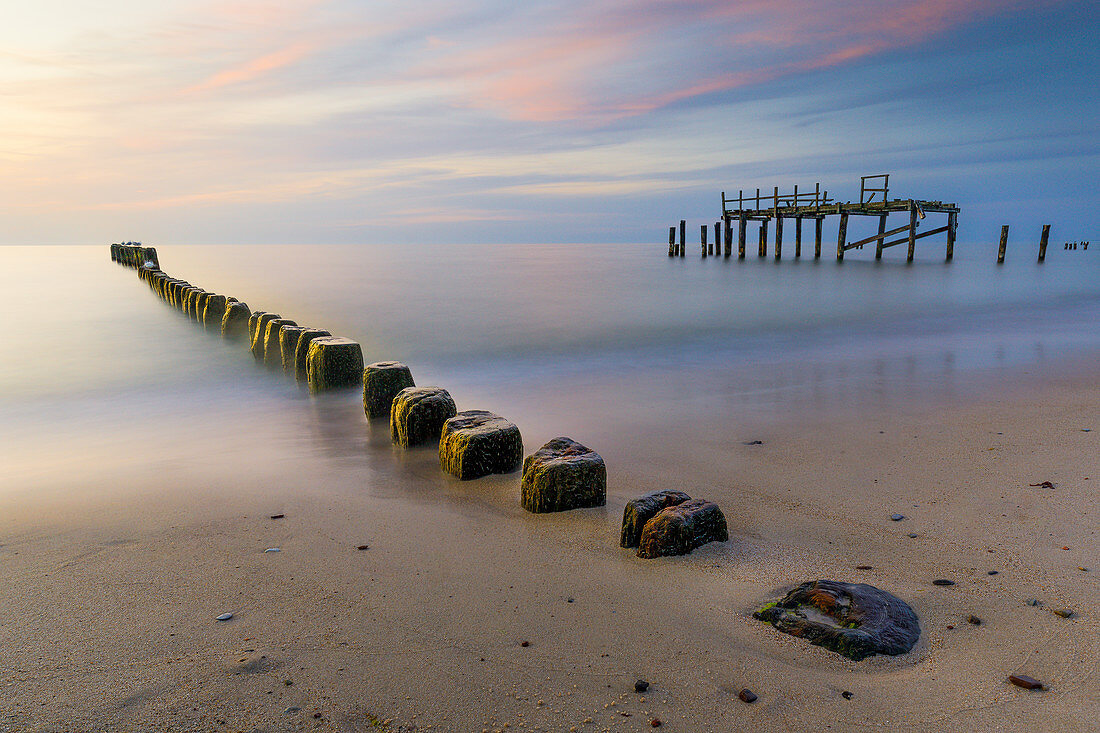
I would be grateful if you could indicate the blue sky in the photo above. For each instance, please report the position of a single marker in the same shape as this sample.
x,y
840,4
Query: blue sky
x,y
312,121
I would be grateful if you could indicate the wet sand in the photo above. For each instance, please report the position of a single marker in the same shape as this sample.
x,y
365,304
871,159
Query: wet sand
x,y
114,572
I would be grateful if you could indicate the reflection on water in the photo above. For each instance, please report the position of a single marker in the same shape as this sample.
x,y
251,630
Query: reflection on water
x,y
569,338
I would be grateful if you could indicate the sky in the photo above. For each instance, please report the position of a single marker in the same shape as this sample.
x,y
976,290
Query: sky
x,y
318,121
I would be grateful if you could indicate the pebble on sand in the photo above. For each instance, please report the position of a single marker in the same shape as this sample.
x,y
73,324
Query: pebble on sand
x,y
363,547
943,581
641,686
224,617
747,695
1028,683
897,517
847,695
277,516
272,549
974,620
1063,612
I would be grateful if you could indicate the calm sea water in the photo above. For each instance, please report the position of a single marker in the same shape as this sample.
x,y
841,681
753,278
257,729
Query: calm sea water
x,y
565,339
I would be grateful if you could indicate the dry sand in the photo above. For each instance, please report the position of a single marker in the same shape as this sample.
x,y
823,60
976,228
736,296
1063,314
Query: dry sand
x,y
109,596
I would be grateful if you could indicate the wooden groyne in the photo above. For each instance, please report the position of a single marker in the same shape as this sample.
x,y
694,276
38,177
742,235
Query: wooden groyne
x,y
560,476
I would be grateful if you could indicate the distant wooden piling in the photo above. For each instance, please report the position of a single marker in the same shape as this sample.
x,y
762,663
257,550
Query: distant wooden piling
x,y
778,237
742,222
797,237
683,237
952,225
881,236
1004,245
729,236
841,236
1043,242
717,238
817,238
912,232
672,241
763,251
703,239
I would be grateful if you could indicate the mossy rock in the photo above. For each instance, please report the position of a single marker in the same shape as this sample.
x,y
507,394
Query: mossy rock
x,y
418,414
259,332
301,352
213,313
288,342
639,511
563,475
333,362
235,320
381,383
273,354
679,529
476,443
855,620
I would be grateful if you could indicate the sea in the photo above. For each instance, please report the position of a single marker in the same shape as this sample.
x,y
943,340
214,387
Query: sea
x,y
586,340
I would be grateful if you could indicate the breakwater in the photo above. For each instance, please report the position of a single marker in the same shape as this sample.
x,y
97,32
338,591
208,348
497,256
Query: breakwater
x,y
562,475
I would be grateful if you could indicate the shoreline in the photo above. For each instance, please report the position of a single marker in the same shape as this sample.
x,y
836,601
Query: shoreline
x,y
457,572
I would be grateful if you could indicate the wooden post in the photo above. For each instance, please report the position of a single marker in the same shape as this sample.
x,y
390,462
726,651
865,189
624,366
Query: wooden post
x,y
952,225
763,238
1004,245
881,239
742,222
717,238
841,236
817,237
778,237
683,237
912,232
798,236
672,241
729,235
703,239
1043,242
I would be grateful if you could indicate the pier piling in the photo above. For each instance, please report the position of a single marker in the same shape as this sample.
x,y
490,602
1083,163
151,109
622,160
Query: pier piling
x,y
817,238
1043,242
778,237
672,241
841,236
683,237
742,222
1003,246
703,239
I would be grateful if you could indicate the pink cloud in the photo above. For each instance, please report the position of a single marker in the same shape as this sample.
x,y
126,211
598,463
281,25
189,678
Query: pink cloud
x,y
254,68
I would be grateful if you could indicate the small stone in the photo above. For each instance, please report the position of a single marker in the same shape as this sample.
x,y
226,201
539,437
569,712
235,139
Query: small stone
x,y
656,722
747,695
277,516
525,643
974,620
1083,570
847,695
950,626
292,709
1028,683
897,517
864,567
224,617
753,442
992,572
569,599
288,683
913,535
641,686
317,715
943,581
1033,602
272,549
1063,612
363,547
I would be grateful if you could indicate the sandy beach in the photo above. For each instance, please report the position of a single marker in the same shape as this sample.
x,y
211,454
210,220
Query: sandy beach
x,y
466,613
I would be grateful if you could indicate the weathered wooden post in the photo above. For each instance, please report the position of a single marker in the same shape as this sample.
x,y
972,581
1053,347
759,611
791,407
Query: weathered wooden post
x,y
817,237
912,231
841,236
1043,242
717,238
797,237
672,241
703,239
729,235
764,238
881,238
952,225
683,237
1004,245
742,222
778,237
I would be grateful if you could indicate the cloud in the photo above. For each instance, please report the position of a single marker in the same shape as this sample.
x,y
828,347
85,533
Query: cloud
x,y
253,68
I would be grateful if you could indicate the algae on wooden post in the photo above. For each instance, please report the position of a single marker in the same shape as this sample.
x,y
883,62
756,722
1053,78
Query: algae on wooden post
x,y
235,320
213,312
333,362
301,351
418,414
679,529
639,511
258,327
381,383
288,342
476,443
273,356
563,475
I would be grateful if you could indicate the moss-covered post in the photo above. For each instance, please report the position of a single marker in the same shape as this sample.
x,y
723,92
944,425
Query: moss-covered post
x,y
1042,242
1003,246
841,236
333,362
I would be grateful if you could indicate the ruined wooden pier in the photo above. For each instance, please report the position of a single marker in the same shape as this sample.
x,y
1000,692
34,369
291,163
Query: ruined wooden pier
x,y
815,204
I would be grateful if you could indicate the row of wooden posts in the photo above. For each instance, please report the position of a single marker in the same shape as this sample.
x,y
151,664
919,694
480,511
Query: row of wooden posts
x,y
715,247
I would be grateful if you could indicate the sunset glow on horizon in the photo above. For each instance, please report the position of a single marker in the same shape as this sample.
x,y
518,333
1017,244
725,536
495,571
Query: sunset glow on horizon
x,y
334,121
